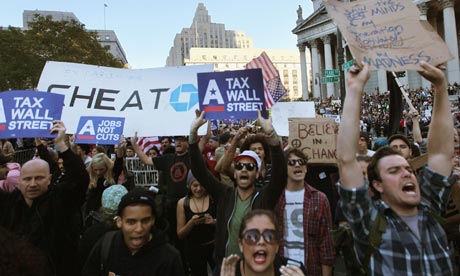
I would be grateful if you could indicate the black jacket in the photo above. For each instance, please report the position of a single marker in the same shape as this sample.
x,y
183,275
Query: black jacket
x,y
225,196
49,222
157,257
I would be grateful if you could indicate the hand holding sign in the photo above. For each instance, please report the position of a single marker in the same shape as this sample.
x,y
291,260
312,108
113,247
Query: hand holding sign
x,y
357,77
59,128
267,126
434,74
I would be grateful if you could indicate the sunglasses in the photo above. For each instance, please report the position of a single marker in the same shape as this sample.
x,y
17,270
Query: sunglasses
x,y
252,236
249,166
301,162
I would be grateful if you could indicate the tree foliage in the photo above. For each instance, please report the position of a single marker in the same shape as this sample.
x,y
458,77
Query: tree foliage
x,y
23,53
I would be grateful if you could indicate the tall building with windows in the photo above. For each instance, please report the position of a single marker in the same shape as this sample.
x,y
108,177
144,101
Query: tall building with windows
x,y
107,38
204,34
286,61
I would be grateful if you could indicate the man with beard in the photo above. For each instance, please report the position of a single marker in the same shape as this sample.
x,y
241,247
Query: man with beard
x,y
233,202
398,233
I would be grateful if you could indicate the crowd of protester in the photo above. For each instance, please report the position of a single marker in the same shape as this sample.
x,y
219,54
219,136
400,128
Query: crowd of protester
x,y
239,200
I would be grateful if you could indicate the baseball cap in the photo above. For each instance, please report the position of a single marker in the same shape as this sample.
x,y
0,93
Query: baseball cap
x,y
137,196
250,154
111,197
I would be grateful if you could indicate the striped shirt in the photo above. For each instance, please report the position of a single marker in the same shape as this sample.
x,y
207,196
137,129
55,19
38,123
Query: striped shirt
x,y
401,252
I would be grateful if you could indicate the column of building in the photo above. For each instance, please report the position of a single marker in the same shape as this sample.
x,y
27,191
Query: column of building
x,y
328,62
423,7
303,71
450,36
315,68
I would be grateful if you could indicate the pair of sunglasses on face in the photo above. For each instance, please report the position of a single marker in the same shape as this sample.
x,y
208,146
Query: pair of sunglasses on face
x,y
252,236
301,162
249,166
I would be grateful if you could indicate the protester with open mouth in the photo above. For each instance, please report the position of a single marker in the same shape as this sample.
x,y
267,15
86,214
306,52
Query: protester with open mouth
x,y
410,238
259,244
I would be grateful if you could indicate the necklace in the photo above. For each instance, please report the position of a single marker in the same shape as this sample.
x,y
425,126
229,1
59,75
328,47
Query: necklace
x,y
196,206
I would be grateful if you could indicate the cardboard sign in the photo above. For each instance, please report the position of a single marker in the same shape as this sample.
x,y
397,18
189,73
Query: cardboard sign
x,y
388,34
232,94
282,111
315,137
154,102
29,113
99,130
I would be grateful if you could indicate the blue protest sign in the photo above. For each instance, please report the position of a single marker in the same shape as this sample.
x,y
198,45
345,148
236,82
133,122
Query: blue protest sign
x,y
29,113
99,130
214,125
231,94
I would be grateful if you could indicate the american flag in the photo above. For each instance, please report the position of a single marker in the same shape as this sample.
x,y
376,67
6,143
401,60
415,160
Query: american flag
x,y
273,88
147,143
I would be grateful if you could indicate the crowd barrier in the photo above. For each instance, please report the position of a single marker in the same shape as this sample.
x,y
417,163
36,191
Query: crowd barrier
x,y
24,155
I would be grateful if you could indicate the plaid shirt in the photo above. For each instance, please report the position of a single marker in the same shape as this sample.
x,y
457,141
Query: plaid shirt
x,y
317,229
401,252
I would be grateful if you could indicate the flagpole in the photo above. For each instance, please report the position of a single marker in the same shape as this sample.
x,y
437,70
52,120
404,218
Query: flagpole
x,y
105,6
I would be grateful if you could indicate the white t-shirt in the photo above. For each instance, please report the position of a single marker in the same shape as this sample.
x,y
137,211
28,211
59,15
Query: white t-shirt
x,y
294,247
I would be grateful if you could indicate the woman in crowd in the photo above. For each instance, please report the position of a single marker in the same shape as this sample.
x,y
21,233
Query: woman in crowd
x,y
100,177
259,244
196,225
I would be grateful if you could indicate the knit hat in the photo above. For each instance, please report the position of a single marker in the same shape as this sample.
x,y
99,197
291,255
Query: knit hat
x,y
190,178
111,197
135,197
251,154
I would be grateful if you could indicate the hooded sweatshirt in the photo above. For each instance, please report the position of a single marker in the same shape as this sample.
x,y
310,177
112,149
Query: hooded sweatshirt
x,y
157,257
12,179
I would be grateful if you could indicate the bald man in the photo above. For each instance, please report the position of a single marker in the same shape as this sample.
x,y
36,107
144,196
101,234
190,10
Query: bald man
x,y
43,212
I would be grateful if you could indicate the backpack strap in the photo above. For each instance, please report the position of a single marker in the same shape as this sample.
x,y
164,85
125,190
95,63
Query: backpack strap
x,y
105,249
378,227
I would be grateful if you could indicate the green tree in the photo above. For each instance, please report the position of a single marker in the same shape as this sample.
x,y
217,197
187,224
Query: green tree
x,y
23,54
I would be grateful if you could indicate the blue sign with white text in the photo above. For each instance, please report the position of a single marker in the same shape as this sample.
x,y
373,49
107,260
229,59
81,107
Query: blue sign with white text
x,y
232,94
99,130
26,113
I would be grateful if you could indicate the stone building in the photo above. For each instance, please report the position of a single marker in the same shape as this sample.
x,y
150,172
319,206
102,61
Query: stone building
x,y
319,33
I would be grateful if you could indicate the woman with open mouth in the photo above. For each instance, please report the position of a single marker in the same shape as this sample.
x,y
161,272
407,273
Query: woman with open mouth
x,y
259,244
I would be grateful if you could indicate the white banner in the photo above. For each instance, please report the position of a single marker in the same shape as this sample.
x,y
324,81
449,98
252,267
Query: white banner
x,y
282,111
154,102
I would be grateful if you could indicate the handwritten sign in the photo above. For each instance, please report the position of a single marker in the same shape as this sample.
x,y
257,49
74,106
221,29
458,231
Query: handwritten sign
x,y
232,94
28,113
99,130
315,137
388,34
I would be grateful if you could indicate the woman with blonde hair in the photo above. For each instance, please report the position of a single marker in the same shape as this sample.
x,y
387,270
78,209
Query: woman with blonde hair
x,y
100,171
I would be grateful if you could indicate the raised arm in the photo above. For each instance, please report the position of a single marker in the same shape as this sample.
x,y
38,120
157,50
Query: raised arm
x,y
347,143
278,179
440,135
142,156
204,139
73,186
225,163
197,163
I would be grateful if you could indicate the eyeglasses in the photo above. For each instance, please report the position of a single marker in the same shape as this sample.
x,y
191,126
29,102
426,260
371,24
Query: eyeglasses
x,y
249,166
301,162
252,236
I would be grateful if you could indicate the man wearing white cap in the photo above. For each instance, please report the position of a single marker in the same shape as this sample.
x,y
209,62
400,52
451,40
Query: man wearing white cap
x,y
234,202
